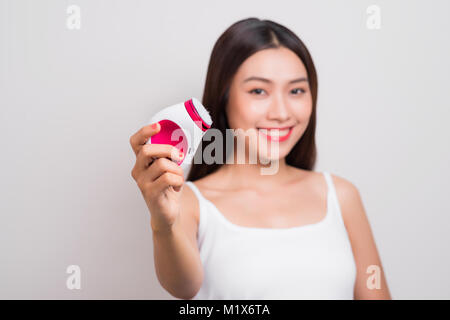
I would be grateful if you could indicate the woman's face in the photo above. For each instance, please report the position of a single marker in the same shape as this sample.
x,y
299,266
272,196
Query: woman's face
x,y
270,90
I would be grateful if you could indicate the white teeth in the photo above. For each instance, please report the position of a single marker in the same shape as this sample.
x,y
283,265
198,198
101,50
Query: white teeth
x,y
275,132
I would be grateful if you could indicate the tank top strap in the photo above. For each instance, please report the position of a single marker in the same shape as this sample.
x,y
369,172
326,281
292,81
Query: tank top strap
x,y
329,181
333,196
195,190
202,213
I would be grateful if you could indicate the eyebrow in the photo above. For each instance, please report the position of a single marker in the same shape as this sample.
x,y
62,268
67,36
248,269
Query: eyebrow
x,y
269,81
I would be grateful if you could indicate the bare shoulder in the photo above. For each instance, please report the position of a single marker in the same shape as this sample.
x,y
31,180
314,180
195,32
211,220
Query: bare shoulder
x,y
349,198
344,187
189,201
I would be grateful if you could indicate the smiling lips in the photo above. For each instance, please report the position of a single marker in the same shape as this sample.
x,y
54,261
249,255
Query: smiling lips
x,y
276,134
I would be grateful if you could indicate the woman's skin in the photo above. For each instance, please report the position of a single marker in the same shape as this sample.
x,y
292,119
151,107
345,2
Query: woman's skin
x,y
292,196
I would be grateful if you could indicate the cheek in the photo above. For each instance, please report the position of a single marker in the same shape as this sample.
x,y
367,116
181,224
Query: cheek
x,y
304,111
302,115
244,115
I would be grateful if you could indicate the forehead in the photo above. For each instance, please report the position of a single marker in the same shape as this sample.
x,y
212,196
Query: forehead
x,y
278,64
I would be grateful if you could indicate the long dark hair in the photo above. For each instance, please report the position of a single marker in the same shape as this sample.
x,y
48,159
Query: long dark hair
x,y
236,44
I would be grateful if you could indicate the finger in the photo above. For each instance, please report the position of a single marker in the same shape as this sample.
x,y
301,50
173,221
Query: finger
x,y
160,166
166,180
150,152
141,137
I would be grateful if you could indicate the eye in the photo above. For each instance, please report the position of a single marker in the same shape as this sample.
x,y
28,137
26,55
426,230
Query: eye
x,y
302,90
254,90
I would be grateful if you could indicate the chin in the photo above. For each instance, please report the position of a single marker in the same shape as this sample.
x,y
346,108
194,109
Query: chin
x,y
267,156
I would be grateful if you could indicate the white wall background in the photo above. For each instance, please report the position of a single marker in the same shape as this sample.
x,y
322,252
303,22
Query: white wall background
x,y
70,100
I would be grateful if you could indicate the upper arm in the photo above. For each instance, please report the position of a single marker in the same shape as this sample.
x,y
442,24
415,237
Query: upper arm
x,y
362,240
188,223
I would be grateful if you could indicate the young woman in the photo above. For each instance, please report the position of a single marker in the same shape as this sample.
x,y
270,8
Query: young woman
x,y
235,233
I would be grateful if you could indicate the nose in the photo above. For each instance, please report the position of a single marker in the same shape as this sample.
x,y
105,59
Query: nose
x,y
278,110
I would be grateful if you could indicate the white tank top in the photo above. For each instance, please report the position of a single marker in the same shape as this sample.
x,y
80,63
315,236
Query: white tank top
x,y
313,261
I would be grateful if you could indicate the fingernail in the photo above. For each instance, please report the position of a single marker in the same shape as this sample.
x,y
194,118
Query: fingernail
x,y
181,155
155,125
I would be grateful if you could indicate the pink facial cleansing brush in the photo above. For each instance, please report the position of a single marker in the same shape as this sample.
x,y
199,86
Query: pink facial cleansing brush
x,y
183,126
